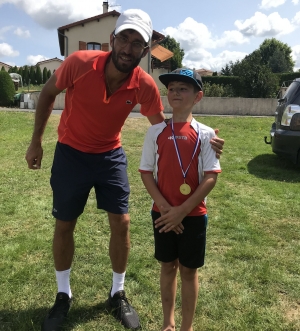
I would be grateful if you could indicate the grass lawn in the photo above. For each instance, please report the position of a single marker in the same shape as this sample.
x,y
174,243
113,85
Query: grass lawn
x,y
251,278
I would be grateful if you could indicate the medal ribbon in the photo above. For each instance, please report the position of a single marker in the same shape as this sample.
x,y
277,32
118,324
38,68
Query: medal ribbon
x,y
177,150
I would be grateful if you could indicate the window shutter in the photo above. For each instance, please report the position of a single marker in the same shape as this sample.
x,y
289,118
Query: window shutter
x,y
105,47
82,45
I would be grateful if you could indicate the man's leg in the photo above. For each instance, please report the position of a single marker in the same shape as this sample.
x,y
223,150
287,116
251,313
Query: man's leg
x,y
63,252
119,244
189,296
118,251
168,287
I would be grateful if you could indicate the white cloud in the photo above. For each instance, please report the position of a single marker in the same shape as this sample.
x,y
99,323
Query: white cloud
x,y
52,14
196,39
22,33
7,50
34,59
261,25
296,19
295,2
3,31
200,58
266,4
296,56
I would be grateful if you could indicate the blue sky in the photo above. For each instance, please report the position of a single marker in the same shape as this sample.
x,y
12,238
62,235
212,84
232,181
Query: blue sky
x,y
212,33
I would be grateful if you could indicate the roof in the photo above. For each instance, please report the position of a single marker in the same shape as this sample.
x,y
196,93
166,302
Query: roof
x,y
50,60
61,35
161,53
5,64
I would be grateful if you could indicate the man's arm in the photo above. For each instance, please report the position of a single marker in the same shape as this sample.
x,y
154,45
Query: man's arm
x,y
157,118
217,144
44,108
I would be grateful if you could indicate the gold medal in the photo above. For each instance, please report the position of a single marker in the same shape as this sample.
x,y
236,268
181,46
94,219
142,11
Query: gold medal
x,y
185,189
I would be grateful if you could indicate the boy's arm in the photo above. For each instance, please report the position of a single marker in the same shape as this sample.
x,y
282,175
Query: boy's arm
x,y
171,218
154,192
158,198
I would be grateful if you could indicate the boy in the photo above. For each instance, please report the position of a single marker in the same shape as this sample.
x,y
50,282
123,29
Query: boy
x,y
179,169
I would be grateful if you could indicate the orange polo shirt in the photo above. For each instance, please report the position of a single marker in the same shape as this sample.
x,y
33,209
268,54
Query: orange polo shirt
x,y
91,122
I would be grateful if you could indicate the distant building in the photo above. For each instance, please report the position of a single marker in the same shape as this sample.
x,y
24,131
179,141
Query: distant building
x,y
50,64
5,65
204,72
94,34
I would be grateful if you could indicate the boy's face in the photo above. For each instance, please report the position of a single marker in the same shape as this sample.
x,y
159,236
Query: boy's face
x,y
182,95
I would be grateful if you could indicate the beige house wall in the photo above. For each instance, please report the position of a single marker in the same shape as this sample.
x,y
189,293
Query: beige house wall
x,y
6,66
51,65
94,31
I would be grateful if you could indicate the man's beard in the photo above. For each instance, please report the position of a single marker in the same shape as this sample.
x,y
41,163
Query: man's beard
x,y
124,68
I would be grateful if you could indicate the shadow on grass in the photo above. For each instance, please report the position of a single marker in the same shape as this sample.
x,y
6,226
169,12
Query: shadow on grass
x,y
273,167
32,319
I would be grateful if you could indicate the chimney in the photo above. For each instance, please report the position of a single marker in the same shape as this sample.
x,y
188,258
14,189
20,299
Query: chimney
x,y
105,7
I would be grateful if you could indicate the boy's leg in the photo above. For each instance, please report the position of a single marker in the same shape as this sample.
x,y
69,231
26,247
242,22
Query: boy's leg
x,y
189,295
168,287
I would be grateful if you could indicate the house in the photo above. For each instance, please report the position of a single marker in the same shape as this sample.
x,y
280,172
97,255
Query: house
x,y
6,66
94,34
204,72
50,64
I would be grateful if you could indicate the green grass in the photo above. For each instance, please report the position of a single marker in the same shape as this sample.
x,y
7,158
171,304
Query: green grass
x,y
251,278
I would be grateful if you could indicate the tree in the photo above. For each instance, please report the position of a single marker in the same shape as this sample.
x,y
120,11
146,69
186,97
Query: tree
x,y
273,47
38,75
172,45
32,75
2,68
15,69
257,79
25,75
7,89
48,74
20,71
45,75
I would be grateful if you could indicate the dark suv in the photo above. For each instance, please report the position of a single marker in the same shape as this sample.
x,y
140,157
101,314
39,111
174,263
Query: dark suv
x,y
285,131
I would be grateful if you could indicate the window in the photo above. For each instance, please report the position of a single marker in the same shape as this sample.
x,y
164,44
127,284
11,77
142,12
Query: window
x,y
93,46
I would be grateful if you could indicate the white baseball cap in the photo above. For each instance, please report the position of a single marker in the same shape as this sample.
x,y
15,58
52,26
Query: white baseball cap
x,y
137,20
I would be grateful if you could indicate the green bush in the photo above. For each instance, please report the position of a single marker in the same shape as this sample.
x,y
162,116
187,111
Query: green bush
x,y
7,89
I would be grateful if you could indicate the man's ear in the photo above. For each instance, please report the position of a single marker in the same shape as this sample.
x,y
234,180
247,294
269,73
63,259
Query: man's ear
x,y
111,40
146,50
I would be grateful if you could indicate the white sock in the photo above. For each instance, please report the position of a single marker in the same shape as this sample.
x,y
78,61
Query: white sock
x,y
118,283
63,281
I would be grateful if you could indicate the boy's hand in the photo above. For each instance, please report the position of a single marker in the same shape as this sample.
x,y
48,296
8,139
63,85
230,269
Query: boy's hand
x,y
217,144
170,220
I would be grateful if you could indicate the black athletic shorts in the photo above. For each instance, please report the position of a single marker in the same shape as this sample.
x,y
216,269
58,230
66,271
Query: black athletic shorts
x,y
75,173
188,247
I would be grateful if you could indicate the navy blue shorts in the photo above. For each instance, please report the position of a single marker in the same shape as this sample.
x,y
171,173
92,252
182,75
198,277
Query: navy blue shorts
x,y
188,247
75,173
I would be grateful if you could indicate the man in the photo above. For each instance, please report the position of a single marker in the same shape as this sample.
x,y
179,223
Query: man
x,y
101,90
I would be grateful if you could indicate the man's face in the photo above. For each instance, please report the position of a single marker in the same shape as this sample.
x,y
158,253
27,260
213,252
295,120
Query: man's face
x,y
126,54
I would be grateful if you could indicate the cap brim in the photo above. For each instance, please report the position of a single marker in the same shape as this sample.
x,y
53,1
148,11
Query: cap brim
x,y
167,78
135,28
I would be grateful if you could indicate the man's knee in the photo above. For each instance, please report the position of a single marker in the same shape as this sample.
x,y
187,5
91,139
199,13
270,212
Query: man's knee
x,y
119,223
64,227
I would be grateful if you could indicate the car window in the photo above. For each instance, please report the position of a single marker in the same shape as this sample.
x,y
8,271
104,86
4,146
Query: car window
x,y
292,94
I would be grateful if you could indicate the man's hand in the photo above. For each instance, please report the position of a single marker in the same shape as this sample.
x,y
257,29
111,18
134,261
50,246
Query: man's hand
x,y
217,144
34,156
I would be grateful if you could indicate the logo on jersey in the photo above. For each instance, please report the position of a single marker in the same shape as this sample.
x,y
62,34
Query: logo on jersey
x,y
178,137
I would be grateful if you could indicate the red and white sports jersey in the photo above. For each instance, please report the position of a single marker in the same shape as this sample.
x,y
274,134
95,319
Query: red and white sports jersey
x,y
160,158
91,122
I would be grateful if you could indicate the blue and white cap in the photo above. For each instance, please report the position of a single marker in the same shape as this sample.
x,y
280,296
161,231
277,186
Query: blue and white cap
x,y
182,75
